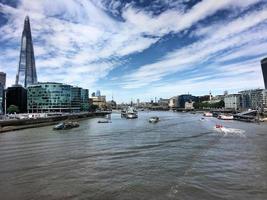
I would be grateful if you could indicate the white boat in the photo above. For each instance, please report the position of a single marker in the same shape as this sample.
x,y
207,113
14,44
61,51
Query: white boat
x,y
131,113
207,114
153,119
226,117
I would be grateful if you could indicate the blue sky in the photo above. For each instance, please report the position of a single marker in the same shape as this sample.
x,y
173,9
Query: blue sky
x,y
140,49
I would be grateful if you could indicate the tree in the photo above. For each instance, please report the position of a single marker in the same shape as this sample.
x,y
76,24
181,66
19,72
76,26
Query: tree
x,y
12,109
93,108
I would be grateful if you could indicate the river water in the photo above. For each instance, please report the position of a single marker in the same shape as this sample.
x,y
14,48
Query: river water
x,y
181,157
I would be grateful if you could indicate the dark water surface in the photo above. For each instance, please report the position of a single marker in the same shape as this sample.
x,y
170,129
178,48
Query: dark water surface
x,y
181,157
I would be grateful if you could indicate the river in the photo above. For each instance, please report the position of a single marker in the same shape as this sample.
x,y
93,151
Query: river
x,y
180,157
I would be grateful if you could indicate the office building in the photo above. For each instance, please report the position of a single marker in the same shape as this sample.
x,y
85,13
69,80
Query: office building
x,y
2,99
264,71
253,99
232,101
26,72
3,79
56,97
17,95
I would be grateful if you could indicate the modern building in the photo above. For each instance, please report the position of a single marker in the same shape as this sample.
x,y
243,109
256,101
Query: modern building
x,y
253,99
56,97
3,79
26,72
84,99
2,91
264,71
232,101
17,95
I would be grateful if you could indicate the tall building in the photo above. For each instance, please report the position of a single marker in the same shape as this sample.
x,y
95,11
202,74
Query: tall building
x,y
264,71
253,99
26,72
3,79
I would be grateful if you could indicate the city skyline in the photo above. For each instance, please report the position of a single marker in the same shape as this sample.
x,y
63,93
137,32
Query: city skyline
x,y
140,50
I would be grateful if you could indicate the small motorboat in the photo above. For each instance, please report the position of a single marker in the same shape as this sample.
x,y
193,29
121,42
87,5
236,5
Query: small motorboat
x,y
104,121
66,125
207,114
153,119
226,117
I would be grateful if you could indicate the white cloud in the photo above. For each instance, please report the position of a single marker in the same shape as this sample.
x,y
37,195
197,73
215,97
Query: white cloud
x,y
75,41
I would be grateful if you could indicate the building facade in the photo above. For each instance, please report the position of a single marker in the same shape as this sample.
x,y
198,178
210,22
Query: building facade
x,y
56,97
253,99
232,101
264,71
3,79
17,95
27,71
182,99
2,99
99,101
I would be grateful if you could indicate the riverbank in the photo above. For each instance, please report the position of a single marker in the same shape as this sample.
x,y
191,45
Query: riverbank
x,y
19,124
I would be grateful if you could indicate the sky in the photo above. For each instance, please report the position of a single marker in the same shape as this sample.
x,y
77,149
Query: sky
x,y
140,49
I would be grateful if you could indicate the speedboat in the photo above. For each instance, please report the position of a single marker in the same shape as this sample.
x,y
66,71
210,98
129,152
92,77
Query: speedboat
x,y
104,121
226,117
207,114
219,126
153,119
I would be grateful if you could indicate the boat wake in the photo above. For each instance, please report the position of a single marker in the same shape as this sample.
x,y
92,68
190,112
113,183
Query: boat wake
x,y
230,131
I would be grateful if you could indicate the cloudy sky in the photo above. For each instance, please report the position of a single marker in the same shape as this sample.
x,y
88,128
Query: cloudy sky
x,y
140,48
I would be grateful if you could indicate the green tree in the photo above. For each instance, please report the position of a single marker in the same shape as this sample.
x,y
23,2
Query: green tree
x,y
93,108
12,109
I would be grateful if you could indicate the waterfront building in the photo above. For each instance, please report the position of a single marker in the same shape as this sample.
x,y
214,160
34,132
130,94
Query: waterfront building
x,y
264,71
2,91
26,71
100,101
173,102
56,97
182,99
3,79
232,101
189,105
17,95
253,99
84,99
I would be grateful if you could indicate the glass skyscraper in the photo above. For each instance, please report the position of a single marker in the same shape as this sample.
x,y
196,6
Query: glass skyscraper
x,y
26,72
264,71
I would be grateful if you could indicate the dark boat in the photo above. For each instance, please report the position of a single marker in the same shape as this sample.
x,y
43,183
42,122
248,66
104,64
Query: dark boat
x,y
66,125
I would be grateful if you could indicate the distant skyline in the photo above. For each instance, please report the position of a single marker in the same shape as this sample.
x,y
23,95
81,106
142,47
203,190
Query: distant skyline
x,y
140,49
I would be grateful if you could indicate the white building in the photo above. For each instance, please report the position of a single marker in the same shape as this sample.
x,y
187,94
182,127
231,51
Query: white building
x,y
232,101
173,102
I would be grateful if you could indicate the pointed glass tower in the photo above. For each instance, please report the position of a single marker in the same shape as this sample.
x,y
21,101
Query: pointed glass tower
x,y
27,72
